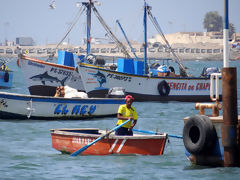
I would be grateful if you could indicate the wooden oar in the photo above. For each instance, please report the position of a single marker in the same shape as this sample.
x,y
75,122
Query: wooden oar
x,y
152,132
98,139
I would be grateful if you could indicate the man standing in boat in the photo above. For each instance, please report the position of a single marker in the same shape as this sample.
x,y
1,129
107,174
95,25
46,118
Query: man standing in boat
x,y
125,112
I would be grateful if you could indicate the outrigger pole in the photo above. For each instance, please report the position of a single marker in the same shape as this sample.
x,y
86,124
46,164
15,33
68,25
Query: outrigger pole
x,y
133,51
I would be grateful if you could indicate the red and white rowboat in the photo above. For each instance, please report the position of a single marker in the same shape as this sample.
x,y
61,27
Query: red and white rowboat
x,y
71,140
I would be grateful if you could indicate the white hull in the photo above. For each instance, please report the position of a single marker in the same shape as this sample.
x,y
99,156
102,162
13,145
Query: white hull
x,y
18,106
98,81
42,77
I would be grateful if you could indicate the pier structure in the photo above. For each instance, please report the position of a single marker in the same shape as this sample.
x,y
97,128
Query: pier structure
x,y
185,52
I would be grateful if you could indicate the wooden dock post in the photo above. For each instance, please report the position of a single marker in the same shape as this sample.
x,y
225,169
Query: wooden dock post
x,y
230,116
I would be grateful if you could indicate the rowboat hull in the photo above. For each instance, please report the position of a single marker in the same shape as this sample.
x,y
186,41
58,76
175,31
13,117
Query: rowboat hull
x,y
43,77
71,140
97,82
18,106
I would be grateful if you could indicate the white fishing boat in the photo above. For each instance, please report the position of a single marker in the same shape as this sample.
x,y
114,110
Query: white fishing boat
x,y
98,81
19,106
43,77
147,82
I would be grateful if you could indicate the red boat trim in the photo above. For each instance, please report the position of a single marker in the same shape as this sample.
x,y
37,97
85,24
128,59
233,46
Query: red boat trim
x,y
46,63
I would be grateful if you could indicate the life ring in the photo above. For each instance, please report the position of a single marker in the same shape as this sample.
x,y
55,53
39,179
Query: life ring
x,y
6,76
163,88
199,134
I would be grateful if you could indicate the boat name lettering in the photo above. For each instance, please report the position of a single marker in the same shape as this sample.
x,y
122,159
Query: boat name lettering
x,y
35,64
190,87
3,103
177,86
79,140
76,110
60,71
203,86
118,77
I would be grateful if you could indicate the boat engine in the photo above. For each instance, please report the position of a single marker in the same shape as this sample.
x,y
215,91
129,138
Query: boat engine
x,y
206,72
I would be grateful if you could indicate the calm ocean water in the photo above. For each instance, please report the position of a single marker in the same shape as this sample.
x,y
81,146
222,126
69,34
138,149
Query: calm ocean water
x,y
26,151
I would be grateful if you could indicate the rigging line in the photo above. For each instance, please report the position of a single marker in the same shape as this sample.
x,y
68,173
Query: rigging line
x,y
158,28
113,37
81,10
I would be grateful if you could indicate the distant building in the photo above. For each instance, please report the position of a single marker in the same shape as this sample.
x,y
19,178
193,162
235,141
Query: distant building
x,y
215,35
98,41
236,37
24,41
192,37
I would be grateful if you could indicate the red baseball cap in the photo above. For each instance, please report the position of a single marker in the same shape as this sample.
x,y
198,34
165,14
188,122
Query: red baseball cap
x,y
129,97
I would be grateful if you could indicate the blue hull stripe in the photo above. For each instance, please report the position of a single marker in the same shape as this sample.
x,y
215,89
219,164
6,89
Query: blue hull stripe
x,y
62,100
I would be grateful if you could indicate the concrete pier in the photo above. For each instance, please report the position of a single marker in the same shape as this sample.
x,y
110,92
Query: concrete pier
x,y
185,52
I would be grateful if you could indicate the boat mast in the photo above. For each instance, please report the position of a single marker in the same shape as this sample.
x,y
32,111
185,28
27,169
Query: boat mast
x,y
226,36
145,37
88,12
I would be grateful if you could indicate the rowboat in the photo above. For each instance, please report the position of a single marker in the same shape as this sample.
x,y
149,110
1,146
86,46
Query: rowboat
x,y
71,140
43,77
20,106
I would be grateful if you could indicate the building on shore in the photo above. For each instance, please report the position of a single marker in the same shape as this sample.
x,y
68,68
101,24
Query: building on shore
x,y
187,45
24,41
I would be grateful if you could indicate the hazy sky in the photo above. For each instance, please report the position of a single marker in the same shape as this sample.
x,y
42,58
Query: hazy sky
x,y
34,18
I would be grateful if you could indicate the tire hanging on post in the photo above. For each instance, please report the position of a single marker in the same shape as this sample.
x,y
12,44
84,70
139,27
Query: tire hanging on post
x,y
199,134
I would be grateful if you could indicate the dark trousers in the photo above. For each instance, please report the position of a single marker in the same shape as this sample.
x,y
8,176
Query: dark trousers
x,y
122,131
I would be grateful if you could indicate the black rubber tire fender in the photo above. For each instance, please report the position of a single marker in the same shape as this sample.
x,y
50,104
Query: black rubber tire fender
x,y
198,134
172,69
163,88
